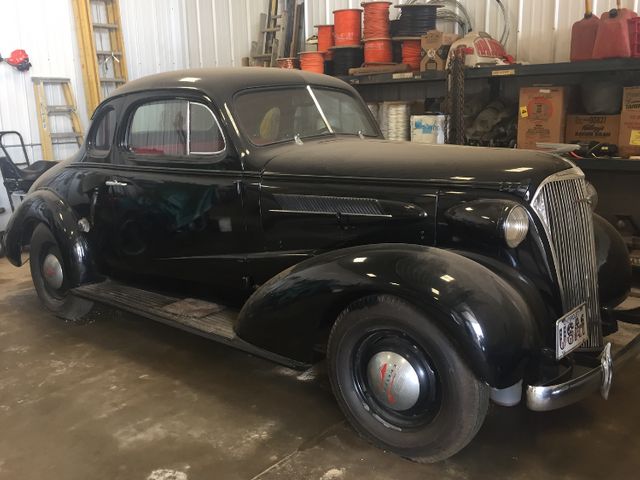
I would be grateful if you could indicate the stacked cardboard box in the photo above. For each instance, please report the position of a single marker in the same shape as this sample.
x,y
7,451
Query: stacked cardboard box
x,y
629,139
593,128
542,116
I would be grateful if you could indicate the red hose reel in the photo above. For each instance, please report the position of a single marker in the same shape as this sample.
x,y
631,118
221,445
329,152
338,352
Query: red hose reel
x,y
18,60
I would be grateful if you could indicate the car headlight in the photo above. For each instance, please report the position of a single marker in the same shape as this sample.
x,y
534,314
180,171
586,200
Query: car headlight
x,y
515,226
592,196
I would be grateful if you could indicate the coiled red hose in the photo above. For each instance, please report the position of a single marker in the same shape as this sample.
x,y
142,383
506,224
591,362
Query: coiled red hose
x,y
412,53
376,20
348,27
312,61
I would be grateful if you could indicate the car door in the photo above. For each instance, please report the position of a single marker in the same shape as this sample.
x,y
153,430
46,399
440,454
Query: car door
x,y
175,202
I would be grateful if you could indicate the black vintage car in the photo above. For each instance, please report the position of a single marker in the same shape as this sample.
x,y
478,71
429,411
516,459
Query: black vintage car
x,y
262,208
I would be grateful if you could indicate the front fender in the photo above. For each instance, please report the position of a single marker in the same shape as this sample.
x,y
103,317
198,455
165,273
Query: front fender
x,y
614,265
44,206
487,320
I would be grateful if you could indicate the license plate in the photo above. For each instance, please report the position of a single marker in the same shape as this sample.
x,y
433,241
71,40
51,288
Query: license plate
x,y
571,331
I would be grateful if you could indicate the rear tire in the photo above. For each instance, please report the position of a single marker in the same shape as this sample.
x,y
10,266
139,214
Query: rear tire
x,y
401,383
51,280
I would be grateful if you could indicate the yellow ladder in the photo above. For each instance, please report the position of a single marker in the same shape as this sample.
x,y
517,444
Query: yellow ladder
x,y
101,44
46,88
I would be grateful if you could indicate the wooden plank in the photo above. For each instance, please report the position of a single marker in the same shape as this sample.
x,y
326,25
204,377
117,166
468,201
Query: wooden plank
x,y
401,67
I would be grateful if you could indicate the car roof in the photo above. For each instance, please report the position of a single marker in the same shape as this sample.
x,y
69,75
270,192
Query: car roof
x,y
221,84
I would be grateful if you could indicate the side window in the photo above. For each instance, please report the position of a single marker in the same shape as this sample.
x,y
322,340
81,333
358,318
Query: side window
x,y
159,128
174,128
102,134
205,136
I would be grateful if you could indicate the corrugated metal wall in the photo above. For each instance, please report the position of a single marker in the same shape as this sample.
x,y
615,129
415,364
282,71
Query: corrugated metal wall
x,y
540,30
163,35
160,35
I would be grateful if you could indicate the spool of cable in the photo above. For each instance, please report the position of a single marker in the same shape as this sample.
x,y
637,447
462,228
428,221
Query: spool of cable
x,y
345,58
398,116
415,20
378,51
326,39
376,20
312,61
412,53
347,27
288,63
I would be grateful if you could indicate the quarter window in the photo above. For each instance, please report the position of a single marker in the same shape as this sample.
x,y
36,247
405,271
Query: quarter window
x,y
102,134
175,128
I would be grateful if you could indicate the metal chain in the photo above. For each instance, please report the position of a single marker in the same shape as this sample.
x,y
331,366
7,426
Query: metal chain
x,y
454,122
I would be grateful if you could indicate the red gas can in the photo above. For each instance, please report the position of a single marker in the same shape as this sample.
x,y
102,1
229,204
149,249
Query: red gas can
x,y
612,40
583,35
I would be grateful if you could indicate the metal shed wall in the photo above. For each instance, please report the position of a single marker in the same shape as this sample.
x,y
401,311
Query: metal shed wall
x,y
165,35
160,35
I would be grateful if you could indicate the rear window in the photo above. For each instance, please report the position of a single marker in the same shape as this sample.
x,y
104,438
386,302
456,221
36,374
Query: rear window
x,y
174,128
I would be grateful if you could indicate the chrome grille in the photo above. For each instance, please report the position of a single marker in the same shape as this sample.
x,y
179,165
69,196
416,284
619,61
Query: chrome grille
x,y
561,203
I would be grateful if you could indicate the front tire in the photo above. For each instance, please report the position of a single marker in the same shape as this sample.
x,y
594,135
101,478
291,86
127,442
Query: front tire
x,y
51,280
401,383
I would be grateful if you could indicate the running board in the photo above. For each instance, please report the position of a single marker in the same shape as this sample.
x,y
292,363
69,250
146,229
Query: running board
x,y
206,319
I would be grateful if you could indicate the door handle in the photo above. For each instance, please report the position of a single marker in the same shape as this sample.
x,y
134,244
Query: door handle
x,y
115,183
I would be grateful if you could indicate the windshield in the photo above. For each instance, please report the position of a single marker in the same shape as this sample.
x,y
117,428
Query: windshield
x,y
279,115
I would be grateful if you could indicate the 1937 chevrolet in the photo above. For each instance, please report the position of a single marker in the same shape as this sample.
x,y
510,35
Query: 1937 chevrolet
x,y
262,208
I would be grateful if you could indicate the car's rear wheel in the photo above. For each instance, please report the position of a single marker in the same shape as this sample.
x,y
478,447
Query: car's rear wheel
x,y
401,383
50,278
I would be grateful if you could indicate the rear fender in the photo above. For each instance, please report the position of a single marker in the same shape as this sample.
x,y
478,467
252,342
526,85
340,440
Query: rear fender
x,y
44,206
488,321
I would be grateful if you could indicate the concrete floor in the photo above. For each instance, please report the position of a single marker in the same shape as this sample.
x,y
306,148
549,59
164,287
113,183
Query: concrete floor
x,y
126,398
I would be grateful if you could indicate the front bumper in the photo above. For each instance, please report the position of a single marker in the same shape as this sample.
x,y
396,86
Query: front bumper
x,y
551,397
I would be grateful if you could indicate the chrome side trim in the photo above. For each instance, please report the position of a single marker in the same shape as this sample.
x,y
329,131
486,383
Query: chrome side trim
x,y
542,398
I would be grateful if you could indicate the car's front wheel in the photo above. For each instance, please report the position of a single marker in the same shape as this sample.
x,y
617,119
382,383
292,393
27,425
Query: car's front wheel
x,y
401,383
50,278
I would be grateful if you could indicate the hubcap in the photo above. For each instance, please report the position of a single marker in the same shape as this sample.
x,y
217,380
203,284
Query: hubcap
x,y
52,271
395,383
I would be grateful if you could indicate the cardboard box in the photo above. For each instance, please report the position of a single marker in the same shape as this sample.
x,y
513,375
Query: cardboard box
x,y
542,116
629,139
435,49
590,128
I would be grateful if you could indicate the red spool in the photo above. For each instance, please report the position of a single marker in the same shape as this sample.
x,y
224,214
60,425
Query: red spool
x,y
412,53
376,20
312,61
378,50
326,39
348,27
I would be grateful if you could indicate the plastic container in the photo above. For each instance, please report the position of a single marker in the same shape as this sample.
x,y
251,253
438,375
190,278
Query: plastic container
x,y
583,37
634,36
612,40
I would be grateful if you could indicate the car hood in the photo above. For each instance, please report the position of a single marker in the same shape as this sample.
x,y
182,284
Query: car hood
x,y
517,171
